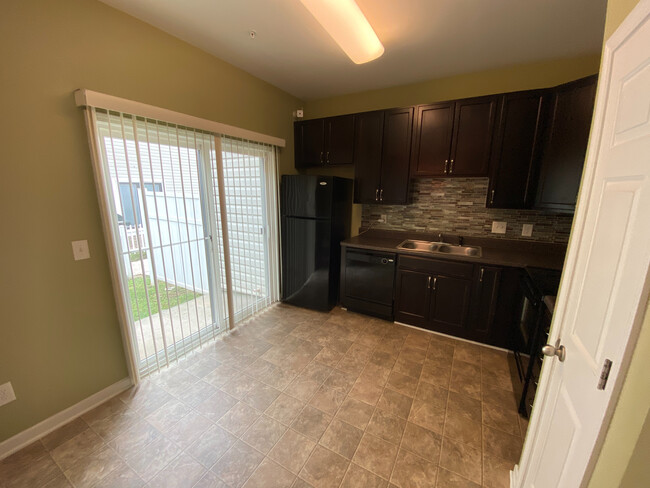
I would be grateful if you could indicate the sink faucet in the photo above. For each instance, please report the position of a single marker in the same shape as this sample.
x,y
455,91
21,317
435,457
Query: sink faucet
x,y
460,240
440,239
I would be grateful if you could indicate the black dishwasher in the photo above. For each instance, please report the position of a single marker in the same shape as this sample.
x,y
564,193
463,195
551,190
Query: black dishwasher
x,y
367,281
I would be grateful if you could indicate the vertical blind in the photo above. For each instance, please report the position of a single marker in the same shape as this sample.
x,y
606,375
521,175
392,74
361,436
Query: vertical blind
x,y
193,220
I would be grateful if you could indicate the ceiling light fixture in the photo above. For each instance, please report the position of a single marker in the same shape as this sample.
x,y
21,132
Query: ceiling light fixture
x,y
345,22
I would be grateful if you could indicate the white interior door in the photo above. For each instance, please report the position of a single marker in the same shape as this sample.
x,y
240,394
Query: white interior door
x,y
604,286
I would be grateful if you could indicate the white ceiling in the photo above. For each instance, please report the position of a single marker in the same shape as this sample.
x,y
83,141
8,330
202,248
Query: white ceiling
x,y
424,39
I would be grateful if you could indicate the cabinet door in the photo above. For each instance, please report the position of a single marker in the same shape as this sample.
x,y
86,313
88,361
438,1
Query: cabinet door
x,y
412,305
472,139
339,144
432,139
515,150
484,304
309,141
450,303
395,156
368,134
565,144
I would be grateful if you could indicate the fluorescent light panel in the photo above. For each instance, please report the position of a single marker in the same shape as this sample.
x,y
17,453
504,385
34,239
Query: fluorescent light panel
x,y
344,21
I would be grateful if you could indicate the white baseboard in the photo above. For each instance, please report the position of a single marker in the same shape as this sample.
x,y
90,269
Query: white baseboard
x,y
433,332
27,436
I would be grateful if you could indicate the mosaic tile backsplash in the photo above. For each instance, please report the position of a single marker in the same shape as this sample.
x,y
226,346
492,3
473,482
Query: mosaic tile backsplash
x,y
457,206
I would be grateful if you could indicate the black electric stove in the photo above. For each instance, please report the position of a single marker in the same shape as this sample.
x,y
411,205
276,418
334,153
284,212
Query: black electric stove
x,y
531,332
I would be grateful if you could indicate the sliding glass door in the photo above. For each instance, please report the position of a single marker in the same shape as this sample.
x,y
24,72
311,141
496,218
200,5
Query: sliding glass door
x,y
191,219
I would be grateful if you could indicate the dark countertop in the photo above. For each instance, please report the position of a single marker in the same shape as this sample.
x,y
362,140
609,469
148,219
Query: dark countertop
x,y
500,252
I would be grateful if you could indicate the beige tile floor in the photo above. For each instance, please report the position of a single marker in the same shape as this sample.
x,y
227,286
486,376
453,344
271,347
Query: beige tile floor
x,y
295,398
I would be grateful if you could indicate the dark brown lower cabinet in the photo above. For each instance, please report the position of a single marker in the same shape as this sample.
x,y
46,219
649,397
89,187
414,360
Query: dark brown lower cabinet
x,y
450,304
466,300
414,291
433,294
486,294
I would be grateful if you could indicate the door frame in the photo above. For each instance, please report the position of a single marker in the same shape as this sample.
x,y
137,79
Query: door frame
x,y
535,436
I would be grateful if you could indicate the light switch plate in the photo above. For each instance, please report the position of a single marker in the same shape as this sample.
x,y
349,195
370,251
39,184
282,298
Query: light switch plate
x,y
499,227
6,394
80,250
527,230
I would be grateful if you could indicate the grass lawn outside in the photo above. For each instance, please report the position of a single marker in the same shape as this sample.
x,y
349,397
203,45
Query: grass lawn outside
x,y
175,295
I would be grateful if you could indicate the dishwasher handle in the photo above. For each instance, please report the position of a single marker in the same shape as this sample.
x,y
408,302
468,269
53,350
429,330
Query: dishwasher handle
x,y
370,258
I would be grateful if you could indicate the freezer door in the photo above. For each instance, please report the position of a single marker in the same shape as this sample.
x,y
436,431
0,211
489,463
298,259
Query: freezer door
x,y
307,196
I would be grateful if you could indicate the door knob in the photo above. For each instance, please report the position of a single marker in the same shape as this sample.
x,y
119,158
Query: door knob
x,y
557,350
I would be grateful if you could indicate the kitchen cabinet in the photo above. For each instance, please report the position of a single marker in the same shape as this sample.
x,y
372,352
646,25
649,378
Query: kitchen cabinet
x,y
450,304
516,146
454,138
324,142
433,294
486,294
467,300
414,292
565,144
432,139
382,146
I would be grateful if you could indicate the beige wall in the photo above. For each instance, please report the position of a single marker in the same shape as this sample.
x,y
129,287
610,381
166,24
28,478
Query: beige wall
x,y
623,460
59,335
513,78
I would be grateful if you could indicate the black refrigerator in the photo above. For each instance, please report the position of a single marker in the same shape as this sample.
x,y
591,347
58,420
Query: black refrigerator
x,y
315,218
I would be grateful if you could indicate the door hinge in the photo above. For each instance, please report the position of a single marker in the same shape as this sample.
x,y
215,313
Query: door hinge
x,y
604,374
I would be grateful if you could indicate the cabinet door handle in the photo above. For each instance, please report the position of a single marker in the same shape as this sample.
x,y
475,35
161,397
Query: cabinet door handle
x,y
481,277
492,197
321,157
446,165
327,158
435,280
451,167
377,195
429,282
381,195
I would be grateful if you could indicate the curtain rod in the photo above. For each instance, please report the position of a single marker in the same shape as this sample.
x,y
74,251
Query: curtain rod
x,y
89,98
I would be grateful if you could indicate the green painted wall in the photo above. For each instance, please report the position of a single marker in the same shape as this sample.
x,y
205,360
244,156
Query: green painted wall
x,y
623,459
59,335
512,78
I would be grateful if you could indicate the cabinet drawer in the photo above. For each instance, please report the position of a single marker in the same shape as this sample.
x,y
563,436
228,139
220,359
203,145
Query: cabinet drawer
x,y
446,268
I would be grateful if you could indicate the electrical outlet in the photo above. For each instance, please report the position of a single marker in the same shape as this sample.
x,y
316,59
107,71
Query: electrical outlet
x,y
80,250
527,230
6,394
499,227
382,219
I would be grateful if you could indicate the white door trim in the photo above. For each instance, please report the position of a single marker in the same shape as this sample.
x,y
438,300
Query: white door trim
x,y
536,437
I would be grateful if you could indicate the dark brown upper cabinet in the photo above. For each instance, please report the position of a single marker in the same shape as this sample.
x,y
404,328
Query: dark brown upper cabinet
x,y
432,139
382,147
454,138
517,141
565,144
324,142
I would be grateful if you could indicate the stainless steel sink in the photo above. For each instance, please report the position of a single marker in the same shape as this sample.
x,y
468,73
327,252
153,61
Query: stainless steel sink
x,y
430,247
